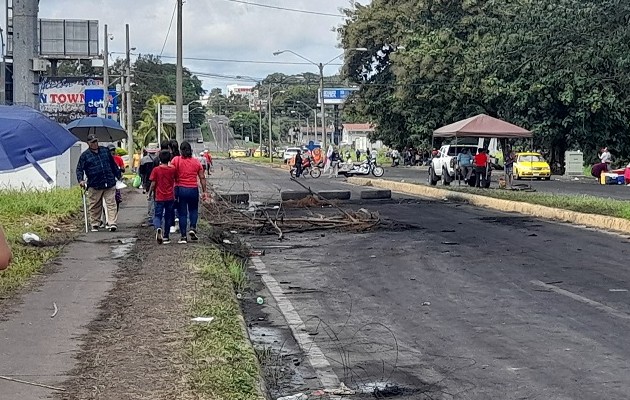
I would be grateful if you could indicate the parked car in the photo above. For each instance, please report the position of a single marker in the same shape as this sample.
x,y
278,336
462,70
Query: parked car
x,y
444,166
237,152
200,140
531,165
289,153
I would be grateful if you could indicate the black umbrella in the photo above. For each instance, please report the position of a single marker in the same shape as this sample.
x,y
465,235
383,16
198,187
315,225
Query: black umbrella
x,y
106,130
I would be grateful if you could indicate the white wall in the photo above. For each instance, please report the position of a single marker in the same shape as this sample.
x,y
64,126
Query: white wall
x,y
61,169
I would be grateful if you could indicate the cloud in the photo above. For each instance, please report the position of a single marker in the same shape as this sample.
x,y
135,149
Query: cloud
x,y
217,29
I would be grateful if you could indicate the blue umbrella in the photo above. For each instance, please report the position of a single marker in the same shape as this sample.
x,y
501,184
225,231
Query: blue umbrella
x,y
106,130
28,136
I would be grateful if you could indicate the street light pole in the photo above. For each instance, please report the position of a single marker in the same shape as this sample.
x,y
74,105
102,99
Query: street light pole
x,y
179,90
106,73
127,90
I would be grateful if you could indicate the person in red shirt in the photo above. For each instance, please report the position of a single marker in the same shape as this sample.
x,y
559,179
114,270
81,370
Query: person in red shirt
x,y
189,176
208,157
163,179
480,162
121,165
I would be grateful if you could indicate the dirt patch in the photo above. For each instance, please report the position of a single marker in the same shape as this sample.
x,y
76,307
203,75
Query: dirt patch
x,y
135,348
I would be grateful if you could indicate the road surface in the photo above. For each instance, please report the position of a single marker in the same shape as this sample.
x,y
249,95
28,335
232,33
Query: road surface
x,y
450,301
557,185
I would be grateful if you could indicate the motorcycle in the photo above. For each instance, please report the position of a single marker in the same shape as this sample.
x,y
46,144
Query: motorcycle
x,y
365,168
308,169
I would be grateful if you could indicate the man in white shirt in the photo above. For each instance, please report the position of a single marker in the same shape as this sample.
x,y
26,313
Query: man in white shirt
x,y
606,158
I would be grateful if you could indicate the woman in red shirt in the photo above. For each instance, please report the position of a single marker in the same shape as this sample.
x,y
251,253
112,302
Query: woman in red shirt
x,y
189,174
163,187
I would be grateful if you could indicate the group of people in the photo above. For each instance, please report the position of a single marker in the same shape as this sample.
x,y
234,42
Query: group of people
x,y
479,163
171,179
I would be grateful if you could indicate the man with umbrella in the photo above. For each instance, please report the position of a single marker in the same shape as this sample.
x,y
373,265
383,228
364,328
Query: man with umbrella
x,y
98,165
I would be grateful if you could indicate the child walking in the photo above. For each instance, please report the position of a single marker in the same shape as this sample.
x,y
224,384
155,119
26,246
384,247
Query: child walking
x,y
163,180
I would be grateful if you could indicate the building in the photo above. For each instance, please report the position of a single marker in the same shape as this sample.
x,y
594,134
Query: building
x,y
356,135
242,90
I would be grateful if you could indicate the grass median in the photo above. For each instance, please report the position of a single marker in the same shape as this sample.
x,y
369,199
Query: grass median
x,y
223,362
45,213
580,203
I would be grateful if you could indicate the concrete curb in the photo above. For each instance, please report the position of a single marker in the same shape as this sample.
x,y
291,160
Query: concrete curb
x,y
335,194
287,195
573,217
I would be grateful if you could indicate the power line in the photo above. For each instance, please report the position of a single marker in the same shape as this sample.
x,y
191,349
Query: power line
x,y
287,9
170,25
246,61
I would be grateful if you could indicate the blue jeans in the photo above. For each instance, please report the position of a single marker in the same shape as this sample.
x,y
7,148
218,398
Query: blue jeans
x,y
188,199
163,215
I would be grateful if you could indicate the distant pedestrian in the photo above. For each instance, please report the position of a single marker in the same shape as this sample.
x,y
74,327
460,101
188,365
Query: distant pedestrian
x,y
334,164
5,251
298,163
208,157
465,162
135,164
121,165
480,163
510,159
606,158
189,176
98,165
163,190
358,154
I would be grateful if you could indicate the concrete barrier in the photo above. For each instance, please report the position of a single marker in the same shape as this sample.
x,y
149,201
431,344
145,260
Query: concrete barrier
x,y
287,195
534,210
376,194
236,198
335,194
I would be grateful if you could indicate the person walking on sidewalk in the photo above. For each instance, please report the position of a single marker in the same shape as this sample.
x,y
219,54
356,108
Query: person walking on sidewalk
x,y
121,164
189,174
5,251
97,164
163,190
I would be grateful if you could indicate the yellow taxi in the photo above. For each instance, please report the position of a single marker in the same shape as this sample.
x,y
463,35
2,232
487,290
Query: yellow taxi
x,y
237,152
531,165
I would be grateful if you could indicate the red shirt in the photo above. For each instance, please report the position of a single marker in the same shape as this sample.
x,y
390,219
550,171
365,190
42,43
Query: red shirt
x,y
481,160
119,161
187,171
164,177
208,158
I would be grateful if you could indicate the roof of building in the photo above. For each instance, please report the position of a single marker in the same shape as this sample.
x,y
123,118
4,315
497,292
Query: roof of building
x,y
358,127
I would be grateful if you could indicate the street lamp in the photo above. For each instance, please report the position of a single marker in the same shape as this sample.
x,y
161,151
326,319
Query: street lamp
x,y
321,81
314,118
270,127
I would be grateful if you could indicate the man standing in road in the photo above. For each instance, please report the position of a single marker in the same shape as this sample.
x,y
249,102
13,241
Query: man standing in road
x,y
98,165
208,157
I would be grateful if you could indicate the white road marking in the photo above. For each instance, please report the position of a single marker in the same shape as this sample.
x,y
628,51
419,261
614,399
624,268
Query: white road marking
x,y
316,357
582,299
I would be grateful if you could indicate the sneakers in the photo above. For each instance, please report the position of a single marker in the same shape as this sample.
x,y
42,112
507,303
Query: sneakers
x,y
95,228
183,240
112,228
193,235
173,229
166,241
158,236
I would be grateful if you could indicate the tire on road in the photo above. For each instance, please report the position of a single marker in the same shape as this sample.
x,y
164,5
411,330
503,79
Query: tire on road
x,y
376,194
433,179
287,195
315,173
378,172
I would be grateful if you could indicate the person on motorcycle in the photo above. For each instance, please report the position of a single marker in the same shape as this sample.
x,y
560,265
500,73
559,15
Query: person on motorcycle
x,y
298,164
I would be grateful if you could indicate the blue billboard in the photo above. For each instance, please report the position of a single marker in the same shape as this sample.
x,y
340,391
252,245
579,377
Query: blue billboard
x,y
336,95
94,101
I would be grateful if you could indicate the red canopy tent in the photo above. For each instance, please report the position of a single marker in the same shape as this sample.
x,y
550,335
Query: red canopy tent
x,y
482,126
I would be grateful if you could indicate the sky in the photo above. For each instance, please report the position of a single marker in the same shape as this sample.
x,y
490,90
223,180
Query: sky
x,y
217,29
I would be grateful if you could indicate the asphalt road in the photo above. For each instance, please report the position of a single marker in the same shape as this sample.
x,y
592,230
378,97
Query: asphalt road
x,y
222,133
556,185
454,302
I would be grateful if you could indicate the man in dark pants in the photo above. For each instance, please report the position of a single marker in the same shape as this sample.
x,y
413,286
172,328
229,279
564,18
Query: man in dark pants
x,y
480,163
298,164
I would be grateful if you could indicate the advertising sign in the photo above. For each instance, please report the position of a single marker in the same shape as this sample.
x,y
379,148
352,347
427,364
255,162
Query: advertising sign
x,y
169,114
335,95
94,101
63,99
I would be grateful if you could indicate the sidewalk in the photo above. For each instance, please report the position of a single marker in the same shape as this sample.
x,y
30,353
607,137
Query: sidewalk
x,y
38,348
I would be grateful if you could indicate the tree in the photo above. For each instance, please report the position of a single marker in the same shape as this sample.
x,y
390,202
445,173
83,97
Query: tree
x,y
147,126
246,124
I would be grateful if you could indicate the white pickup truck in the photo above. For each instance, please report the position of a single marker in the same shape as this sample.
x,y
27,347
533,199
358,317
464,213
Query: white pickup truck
x,y
444,166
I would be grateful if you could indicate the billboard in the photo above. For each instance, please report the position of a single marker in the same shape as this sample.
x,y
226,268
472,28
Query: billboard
x,y
63,99
94,101
335,95
169,114
69,39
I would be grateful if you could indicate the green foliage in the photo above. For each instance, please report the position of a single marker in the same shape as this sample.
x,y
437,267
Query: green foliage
x,y
121,152
246,124
33,211
147,127
558,68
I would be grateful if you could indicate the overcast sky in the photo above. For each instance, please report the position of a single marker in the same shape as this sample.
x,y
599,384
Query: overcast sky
x,y
218,29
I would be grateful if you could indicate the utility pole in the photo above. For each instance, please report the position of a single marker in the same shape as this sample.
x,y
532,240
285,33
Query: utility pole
x,y
323,108
106,73
179,95
270,134
25,49
127,87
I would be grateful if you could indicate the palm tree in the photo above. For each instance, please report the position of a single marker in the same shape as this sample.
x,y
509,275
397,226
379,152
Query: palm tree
x,y
147,128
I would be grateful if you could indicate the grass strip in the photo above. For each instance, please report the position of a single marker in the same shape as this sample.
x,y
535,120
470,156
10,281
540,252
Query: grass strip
x,y
223,362
35,212
580,203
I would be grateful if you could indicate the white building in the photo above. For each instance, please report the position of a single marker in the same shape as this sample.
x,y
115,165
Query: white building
x,y
242,90
356,135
